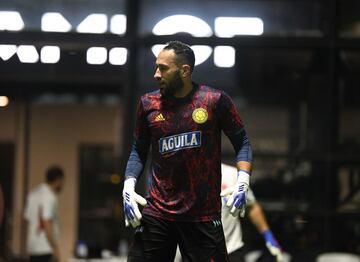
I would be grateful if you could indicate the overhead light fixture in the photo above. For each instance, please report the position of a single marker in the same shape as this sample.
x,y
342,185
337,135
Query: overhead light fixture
x,y
11,21
232,26
7,51
54,22
27,54
93,23
118,56
118,24
96,55
4,101
50,54
224,56
182,23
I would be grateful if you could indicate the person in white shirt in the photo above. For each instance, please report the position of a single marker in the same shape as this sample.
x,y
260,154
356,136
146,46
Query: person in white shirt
x,y
41,213
232,225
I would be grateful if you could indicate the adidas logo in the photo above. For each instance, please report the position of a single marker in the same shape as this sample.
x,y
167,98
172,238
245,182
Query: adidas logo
x,y
159,118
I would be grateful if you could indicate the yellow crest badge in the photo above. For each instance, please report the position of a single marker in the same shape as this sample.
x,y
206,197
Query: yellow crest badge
x,y
200,115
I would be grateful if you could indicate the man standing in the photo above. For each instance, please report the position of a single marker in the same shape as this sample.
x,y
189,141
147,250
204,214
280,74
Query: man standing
x,y
41,213
182,121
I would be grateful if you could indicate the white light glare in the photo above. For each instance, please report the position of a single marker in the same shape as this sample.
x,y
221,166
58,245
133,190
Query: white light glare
x,y
96,55
4,101
54,22
7,51
224,56
93,23
11,21
27,54
232,26
118,56
118,24
202,52
50,54
182,23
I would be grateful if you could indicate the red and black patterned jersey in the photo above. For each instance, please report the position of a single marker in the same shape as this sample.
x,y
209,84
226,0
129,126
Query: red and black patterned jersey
x,y
185,138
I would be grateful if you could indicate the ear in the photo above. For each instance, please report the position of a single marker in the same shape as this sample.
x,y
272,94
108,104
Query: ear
x,y
185,71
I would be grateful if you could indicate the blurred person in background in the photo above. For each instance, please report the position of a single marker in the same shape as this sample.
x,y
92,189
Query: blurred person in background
x,y
41,213
232,225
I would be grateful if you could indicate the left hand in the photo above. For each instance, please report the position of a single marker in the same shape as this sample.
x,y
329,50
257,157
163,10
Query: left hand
x,y
273,246
237,194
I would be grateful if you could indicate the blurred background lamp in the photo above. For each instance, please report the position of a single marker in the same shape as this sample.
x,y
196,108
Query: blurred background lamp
x,y
224,56
118,24
54,22
182,23
96,55
50,54
11,21
94,23
27,54
232,26
118,56
4,101
7,51
202,52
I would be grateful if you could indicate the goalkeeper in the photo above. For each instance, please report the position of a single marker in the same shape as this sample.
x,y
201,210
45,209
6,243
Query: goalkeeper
x,y
182,123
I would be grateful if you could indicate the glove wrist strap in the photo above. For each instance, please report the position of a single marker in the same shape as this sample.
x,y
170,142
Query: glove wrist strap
x,y
130,182
243,177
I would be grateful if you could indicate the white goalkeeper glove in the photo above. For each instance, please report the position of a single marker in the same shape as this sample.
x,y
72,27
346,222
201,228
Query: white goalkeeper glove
x,y
273,246
236,194
131,200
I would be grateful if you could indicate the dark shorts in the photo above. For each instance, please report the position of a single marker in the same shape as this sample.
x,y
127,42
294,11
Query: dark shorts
x,y
42,258
237,255
156,240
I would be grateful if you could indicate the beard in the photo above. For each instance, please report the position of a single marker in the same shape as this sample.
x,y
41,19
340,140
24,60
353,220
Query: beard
x,y
173,86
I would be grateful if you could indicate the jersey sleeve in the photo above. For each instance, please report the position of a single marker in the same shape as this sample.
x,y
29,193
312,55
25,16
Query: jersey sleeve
x,y
233,127
48,208
140,146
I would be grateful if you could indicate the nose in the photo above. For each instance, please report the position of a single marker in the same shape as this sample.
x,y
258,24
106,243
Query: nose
x,y
157,74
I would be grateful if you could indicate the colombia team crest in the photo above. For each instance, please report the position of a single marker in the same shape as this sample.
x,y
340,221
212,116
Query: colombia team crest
x,y
200,115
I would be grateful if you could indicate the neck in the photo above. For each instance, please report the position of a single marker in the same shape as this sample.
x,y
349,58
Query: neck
x,y
185,90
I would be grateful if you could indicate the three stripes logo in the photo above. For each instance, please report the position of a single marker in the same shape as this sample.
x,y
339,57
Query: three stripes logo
x,y
217,223
159,118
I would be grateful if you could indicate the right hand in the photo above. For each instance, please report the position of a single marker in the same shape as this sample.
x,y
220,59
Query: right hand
x,y
131,200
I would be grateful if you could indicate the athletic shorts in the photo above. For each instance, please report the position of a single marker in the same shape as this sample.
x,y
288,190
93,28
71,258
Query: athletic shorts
x,y
41,258
156,240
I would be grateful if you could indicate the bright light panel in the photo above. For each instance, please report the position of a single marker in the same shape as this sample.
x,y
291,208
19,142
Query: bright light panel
x,y
232,26
224,56
7,51
96,55
118,24
11,21
93,23
54,22
4,101
118,56
50,54
182,23
27,54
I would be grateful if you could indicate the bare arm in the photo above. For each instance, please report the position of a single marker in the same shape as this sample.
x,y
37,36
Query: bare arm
x,y
49,232
257,217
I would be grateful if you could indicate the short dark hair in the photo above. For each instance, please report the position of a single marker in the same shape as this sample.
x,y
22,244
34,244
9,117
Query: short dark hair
x,y
53,173
184,53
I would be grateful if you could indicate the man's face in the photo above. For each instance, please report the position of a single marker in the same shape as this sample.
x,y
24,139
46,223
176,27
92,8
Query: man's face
x,y
58,185
167,73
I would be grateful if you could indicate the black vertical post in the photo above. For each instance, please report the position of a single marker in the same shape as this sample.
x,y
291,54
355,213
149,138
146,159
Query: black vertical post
x,y
131,83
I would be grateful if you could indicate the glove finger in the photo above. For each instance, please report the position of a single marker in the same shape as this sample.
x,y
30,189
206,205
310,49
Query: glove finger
x,y
230,201
134,223
126,222
242,212
129,213
137,213
226,192
139,199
